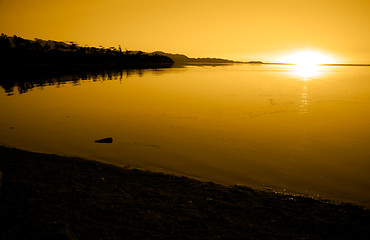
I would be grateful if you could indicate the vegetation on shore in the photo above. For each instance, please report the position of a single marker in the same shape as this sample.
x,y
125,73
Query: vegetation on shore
x,y
16,51
20,51
51,197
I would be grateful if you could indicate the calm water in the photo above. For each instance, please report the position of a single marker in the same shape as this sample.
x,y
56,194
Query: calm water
x,y
266,126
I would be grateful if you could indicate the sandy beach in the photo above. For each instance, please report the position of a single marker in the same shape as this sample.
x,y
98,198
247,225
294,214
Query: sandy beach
x,y
46,196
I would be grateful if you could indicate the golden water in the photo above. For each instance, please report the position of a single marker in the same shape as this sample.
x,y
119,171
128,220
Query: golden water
x,y
305,131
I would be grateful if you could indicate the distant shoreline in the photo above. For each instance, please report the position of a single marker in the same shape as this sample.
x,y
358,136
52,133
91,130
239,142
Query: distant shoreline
x,y
18,52
46,196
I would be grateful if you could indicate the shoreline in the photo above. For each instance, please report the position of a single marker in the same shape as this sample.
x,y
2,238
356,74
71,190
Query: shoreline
x,y
45,196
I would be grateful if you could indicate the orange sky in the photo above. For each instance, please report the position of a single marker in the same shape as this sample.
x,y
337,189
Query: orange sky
x,y
235,29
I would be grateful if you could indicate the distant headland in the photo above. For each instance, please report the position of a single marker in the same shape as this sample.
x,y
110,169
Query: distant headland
x,y
17,51
183,59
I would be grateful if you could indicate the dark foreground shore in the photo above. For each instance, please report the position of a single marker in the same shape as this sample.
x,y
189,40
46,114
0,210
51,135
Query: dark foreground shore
x,y
51,197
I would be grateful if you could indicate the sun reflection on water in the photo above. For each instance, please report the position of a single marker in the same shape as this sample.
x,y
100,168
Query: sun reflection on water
x,y
304,101
307,71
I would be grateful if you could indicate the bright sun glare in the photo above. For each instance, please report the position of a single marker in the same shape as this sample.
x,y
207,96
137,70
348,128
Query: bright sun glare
x,y
307,63
307,57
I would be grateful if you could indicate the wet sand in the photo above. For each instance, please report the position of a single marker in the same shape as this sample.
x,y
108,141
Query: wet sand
x,y
46,196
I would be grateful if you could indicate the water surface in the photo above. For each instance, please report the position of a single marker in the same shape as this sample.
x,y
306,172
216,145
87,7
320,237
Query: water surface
x,y
281,127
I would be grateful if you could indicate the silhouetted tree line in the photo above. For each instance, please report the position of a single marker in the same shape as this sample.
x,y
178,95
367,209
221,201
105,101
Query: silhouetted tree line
x,y
18,51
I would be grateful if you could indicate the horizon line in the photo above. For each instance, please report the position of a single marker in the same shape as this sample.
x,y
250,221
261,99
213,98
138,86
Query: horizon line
x,y
321,64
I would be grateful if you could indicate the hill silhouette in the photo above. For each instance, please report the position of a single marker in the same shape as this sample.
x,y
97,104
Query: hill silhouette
x,y
17,51
183,59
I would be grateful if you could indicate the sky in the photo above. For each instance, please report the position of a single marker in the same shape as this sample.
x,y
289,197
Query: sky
x,y
262,30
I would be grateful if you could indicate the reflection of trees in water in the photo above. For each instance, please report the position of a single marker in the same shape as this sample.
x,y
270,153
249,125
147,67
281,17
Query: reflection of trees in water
x,y
25,79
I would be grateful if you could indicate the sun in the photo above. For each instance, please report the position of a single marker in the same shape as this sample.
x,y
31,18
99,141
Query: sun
x,y
307,58
307,63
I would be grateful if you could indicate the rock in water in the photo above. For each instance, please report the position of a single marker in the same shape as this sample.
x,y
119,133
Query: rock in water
x,y
104,140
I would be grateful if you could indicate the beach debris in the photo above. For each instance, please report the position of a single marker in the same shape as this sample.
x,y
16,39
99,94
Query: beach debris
x,y
105,140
